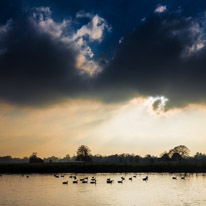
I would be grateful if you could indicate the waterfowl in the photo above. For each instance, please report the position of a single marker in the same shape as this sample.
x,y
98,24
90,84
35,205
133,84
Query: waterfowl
x,y
109,181
93,182
145,179
65,183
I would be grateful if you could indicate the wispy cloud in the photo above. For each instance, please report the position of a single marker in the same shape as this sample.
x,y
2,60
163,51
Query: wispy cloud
x,y
4,29
198,35
160,9
94,29
42,18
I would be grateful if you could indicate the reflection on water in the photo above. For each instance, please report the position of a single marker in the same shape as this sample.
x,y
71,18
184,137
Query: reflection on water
x,y
158,190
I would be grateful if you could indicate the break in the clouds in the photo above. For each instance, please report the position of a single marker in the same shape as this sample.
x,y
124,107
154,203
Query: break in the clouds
x,y
94,32
42,18
94,29
45,59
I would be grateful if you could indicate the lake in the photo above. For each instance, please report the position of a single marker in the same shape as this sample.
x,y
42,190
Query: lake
x,y
159,190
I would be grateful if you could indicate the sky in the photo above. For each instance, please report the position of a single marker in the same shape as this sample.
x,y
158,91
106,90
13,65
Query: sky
x,y
117,76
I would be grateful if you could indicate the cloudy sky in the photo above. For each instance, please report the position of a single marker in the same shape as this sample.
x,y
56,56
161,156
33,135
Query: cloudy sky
x,y
118,76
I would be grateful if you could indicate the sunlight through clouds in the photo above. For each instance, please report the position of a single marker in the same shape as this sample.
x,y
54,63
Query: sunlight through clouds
x,y
115,128
80,38
121,77
157,104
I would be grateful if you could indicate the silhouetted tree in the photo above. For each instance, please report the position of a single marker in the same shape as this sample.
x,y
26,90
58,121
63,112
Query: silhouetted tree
x,y
84,154
34,159
148,158
137,158
67,158
182,150
165,157
5,159
199,156
176,157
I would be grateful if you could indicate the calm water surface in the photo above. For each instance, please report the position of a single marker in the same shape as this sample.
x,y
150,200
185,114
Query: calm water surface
x,y
159,190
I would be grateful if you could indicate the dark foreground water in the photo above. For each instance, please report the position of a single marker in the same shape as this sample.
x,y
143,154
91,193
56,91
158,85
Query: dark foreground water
x,y
159,190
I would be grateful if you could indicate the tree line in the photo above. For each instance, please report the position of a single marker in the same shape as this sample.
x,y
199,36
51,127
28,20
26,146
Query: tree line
x,y
83,154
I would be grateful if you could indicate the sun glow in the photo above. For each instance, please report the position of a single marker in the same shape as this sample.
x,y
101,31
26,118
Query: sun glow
x,y
157,104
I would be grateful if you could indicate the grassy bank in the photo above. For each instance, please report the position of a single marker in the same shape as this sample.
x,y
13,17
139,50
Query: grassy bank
x,y
101,167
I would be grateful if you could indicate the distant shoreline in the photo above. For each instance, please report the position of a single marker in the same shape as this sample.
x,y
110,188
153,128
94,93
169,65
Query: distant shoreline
x,y
80,167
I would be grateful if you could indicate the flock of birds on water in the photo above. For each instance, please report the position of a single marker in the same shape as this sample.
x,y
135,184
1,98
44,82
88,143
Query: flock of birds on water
x,y
94,181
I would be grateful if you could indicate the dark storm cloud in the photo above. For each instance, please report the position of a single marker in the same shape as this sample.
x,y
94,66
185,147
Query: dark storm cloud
x,y
164,56
35,68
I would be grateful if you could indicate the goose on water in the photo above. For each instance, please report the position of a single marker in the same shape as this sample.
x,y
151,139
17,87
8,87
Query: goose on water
x,y
93,182
109,181
145,179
